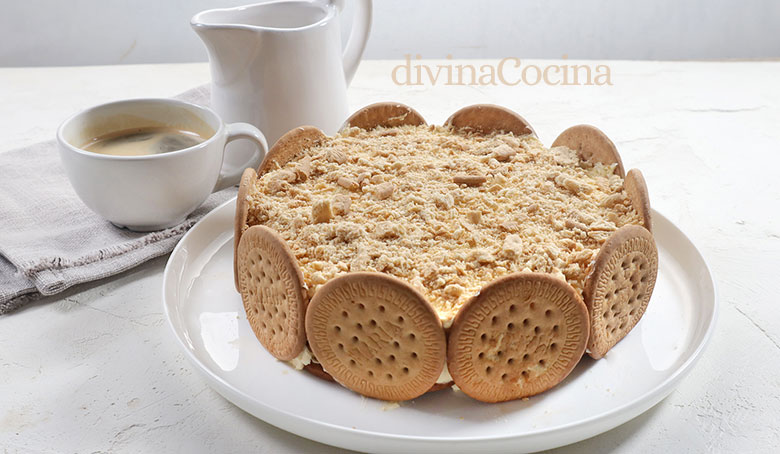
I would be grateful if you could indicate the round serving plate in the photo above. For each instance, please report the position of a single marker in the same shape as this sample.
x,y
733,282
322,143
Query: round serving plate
x,y
207,318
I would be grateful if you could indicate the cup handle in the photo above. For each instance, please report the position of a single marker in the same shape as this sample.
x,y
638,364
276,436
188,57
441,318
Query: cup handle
x,y
358,36
230,176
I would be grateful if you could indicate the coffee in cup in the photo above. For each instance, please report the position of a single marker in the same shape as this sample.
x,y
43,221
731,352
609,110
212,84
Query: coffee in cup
x,y
143,141
146,164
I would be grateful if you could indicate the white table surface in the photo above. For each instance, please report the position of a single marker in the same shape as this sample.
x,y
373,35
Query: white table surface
x,y
97,370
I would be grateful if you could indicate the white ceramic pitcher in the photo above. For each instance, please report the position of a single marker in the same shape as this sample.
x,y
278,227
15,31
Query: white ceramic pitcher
x,y
280,65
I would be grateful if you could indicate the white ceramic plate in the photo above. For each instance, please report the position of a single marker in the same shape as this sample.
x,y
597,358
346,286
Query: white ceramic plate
x,y
207,317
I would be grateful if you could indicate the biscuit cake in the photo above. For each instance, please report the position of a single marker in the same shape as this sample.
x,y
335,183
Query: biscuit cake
x,y
473,230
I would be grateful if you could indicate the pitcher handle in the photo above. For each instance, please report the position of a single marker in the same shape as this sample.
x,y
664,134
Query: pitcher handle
x,y
358,36
231,175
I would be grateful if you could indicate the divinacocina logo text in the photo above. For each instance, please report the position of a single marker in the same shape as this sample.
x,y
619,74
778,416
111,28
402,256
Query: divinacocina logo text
x,y
509,71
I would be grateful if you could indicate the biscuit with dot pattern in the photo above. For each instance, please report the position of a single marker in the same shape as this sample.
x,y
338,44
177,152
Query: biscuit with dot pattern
x,y
519,336
248,178
376,335
592,145
618,289
271,287
487,119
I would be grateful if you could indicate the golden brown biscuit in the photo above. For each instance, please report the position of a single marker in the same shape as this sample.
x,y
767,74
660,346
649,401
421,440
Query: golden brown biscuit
x,y
271,286
592,145
487,119
385,114
520,335
289,145
619,287
242,210
376,335
635,187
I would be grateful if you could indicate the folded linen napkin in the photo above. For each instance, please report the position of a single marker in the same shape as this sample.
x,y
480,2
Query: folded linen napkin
x,y
50,241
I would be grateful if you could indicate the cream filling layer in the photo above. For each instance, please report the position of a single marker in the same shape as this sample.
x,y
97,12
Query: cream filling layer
x,y
303,359
445,376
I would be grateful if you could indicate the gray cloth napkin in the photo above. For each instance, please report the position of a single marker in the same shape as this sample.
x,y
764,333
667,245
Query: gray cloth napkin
x,y
50,241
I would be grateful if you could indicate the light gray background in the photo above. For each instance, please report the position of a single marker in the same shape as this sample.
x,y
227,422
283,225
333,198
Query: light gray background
x,y
82,32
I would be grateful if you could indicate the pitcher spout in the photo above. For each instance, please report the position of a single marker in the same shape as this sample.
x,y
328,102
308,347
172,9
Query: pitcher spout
x,y
229,50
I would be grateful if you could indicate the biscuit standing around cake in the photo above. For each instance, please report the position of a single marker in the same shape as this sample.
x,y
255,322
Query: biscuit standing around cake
x,y
248,178
486,119
271,286
519,336
592,145
384,114
376,335
618,289
289,145
636,189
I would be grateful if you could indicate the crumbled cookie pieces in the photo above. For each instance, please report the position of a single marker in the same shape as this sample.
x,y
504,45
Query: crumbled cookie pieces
x,y
446,213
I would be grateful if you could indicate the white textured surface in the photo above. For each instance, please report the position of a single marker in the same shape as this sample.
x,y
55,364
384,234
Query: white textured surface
x,y
96,369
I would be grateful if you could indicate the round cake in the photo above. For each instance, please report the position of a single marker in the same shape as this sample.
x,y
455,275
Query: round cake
x,y
397,257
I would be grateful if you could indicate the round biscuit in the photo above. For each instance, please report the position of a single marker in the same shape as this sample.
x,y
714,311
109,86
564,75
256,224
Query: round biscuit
x,y
635,187
619,287
290,144
591,144
248,178
520,335
271,287
376,335
384,114
488,118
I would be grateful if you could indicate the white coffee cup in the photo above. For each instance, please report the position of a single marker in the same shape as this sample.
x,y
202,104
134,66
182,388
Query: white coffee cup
x,y
156,191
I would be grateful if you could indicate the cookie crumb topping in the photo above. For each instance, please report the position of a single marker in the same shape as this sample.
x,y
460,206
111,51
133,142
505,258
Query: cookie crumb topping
x,y
445,212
